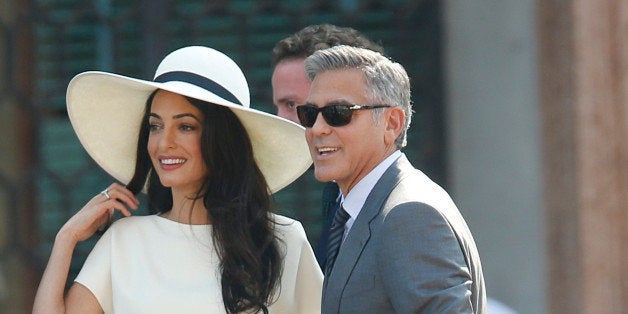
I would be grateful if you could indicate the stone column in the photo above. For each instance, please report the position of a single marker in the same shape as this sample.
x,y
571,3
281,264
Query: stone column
x,y
18,227
583,68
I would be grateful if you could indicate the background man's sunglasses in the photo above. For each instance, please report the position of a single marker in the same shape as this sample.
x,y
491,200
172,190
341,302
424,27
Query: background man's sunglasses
x,y
334,114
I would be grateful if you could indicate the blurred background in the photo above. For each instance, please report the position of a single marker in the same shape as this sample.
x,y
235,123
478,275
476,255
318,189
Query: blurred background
x,y
521,114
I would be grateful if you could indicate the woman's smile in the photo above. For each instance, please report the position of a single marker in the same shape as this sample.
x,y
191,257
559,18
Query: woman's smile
x,y
171,163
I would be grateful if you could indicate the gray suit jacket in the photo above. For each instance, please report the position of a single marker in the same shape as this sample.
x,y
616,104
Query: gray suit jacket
x,y
408,251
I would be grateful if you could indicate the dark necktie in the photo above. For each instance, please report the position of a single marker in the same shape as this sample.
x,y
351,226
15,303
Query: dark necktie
x,y
335,237
331,202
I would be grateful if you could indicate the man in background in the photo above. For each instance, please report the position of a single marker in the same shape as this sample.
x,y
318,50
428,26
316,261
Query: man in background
x,y
291,87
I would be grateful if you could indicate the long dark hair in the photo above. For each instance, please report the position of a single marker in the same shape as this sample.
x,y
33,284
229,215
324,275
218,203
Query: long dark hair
x,y
237,199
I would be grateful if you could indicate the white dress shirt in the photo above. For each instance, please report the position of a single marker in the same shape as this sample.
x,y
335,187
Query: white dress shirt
x,y
356,198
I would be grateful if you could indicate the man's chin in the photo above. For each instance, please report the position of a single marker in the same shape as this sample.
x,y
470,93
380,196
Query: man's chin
x,y
323,176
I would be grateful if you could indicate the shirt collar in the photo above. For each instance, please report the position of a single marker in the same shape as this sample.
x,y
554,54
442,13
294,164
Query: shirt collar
x,y
356,198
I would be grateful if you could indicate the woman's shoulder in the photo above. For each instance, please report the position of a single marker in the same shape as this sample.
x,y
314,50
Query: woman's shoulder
x,y
288,226
125,224
285,221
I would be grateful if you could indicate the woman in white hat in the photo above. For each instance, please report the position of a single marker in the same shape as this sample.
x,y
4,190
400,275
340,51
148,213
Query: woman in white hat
x,y
208,164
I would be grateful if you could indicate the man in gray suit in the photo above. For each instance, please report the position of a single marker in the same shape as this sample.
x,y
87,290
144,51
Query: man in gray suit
x,y
398,244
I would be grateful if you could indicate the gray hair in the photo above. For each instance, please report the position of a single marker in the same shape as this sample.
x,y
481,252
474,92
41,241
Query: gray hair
x,y
386,81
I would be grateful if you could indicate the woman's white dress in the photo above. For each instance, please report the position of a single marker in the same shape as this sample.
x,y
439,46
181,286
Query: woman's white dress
x,y
149,264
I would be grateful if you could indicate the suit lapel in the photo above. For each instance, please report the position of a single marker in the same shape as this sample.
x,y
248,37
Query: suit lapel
x,y
360,232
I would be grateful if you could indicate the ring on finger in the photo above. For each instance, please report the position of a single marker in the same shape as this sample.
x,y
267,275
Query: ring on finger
x,y
105,192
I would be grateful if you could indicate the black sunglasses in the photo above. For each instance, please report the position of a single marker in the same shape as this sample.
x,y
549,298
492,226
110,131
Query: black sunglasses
x,y
335,114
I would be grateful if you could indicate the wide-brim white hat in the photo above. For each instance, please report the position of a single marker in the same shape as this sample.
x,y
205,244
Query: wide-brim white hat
x,y
106,110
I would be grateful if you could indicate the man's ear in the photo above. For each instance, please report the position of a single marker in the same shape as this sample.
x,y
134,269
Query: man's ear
x,y
395,119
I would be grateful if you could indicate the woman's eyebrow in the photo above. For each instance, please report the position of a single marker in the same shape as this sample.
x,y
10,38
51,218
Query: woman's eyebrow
x,y
177,116
182,115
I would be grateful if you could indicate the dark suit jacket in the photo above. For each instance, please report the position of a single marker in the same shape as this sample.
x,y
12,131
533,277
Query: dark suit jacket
x,y
408,251
330,195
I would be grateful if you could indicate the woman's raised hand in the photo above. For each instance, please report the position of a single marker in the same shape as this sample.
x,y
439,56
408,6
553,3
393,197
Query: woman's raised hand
x,y
50,296
98,211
